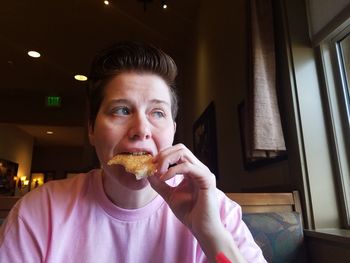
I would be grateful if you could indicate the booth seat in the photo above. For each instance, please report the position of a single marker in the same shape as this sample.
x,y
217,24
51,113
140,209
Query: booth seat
x,y
275,221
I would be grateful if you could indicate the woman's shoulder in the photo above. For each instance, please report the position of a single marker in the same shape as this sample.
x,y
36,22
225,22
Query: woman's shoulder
x,y
76,182
58,191
64,186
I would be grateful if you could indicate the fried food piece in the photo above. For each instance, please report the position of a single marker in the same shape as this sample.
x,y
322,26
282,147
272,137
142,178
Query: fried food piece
x,y
140,165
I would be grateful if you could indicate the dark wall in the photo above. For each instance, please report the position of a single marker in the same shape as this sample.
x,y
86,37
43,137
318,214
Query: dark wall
x,y
60,160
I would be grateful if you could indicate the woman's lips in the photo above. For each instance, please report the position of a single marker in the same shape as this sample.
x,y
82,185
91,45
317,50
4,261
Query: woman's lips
x,y
136,151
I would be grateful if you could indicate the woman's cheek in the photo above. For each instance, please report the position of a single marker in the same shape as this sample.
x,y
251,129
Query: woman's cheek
x,y
167,139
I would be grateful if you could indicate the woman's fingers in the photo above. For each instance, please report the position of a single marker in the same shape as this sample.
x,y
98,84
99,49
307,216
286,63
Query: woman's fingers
x,y
176,154
203,177
180,160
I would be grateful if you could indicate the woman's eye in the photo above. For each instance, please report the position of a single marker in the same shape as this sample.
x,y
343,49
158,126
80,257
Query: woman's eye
x,y
121,111
158,114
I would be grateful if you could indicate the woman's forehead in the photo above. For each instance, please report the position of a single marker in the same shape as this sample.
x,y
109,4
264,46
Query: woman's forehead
x,y
133,85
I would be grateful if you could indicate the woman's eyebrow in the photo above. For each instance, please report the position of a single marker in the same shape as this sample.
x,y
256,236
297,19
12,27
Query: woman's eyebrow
x,y
128,102
121,101
156,101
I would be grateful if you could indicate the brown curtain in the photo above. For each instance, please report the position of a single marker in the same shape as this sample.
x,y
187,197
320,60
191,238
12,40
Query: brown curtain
x,y
264,130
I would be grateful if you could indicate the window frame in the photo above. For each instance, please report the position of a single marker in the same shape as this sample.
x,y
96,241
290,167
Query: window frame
x,y
336,101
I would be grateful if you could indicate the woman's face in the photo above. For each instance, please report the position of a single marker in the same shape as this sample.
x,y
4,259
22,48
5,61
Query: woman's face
x,y
134,116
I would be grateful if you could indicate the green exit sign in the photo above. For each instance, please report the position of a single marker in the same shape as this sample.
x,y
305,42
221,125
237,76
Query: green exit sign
x,y
53,101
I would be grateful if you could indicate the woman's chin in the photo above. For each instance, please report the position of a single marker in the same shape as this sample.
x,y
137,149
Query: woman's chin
x,y
129,180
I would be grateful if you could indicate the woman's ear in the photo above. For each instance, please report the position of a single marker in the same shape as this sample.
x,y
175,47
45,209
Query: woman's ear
x,y
174,127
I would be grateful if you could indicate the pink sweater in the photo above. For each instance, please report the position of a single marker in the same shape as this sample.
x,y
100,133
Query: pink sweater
x,y
73,221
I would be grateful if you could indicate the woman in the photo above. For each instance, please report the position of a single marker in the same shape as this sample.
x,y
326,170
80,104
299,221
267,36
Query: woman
x,y
106,215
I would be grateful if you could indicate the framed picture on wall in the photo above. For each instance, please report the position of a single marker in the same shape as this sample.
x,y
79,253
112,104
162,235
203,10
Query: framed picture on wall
x,y
38,178
204,139
8,177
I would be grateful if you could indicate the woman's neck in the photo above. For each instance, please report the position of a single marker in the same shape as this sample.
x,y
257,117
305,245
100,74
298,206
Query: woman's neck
x,y
127,197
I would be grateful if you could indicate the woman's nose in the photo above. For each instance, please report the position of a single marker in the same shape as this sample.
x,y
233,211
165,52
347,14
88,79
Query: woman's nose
x,y
140,128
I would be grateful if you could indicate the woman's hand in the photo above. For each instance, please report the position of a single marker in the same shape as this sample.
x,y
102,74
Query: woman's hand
x,y
194,200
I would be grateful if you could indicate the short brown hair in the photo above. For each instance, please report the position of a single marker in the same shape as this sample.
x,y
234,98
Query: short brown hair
x,y
129,56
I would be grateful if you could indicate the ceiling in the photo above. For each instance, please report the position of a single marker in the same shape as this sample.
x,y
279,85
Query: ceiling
x,y
68,33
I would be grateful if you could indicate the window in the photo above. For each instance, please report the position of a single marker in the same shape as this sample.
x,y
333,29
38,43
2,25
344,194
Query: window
x,y
335,55
343,46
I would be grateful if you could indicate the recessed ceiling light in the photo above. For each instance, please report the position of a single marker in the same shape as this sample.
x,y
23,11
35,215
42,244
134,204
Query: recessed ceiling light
x,y
80,77
49,132
33,54
164,5
106,2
